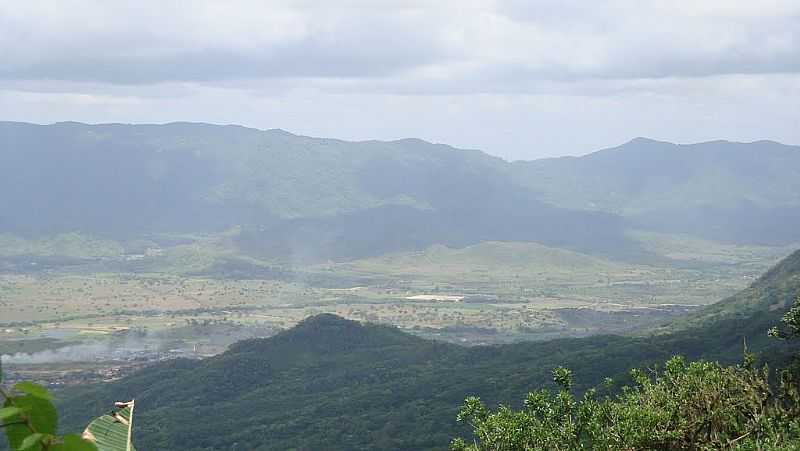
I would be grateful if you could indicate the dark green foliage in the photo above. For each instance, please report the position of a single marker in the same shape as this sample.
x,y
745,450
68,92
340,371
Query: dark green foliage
x,y
791,323
335,384
30,421
327,383
686,406
702,405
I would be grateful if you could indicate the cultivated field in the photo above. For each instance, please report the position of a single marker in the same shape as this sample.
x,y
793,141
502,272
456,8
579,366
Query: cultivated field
x,y
489,292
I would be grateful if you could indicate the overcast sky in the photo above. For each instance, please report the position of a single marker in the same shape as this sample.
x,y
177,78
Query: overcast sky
x,y
521,79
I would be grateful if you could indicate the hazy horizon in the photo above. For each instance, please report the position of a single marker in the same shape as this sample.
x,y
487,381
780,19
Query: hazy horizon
x,y
520,80
577,154
390,224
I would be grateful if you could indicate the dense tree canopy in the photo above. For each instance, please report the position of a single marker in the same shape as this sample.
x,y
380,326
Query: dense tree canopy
x,y
700,405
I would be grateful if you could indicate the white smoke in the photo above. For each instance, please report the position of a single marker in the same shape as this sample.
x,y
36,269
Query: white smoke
x,y
146,346
88,352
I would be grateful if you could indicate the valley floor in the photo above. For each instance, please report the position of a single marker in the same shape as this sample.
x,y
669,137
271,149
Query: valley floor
x,y
198,296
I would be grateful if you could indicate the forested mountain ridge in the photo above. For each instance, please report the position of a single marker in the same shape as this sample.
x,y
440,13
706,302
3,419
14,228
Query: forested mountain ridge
x,y
294,195
272,171
644,174
337,384
326,198
741,192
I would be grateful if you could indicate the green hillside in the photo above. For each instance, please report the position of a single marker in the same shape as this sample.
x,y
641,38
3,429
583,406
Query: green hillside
x,y
330,383
767,295
295,197
487,256
306,198
721,190
645,175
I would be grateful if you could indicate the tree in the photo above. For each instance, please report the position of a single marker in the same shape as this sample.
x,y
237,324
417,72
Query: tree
x,y
791,323
685,406
30,421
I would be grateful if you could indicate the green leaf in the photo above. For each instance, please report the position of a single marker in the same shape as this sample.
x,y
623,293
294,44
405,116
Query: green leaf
x,y
74,442
40,412
8,412
109,433
34,390
32,441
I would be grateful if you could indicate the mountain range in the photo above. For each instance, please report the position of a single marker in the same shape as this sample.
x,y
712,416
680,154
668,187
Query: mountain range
x,y
306,198
739,192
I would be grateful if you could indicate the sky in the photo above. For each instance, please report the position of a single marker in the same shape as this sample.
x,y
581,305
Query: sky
x,y
521,79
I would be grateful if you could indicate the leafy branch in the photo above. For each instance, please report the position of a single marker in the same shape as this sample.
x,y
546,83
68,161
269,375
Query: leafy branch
x,y
30,420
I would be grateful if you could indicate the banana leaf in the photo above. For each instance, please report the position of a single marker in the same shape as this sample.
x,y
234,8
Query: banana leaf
x,y
113,432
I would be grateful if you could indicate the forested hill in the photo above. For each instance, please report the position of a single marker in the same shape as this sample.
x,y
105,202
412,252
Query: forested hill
x,y
294,195
330,383
722,190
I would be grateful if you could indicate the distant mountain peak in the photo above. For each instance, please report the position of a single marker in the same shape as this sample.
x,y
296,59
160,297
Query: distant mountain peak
x,y
640,140
414,141
280,131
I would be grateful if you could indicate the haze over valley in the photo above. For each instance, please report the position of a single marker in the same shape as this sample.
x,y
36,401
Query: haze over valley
x,y
399,226
111,229
125,246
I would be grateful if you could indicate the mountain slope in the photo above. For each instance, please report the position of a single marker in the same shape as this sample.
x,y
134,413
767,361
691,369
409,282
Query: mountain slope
x,y
294,195
644,175
771,293
302,197
331,383
230,169
746,192
376,231
489,256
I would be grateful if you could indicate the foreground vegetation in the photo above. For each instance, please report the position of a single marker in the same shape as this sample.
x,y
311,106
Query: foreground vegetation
x,y
330,383
30,421
685,406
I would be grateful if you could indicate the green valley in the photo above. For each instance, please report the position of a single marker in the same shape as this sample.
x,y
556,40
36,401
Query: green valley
x,y
334,383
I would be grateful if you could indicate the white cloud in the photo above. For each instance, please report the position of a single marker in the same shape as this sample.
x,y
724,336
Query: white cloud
x,y
516,77
141,42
